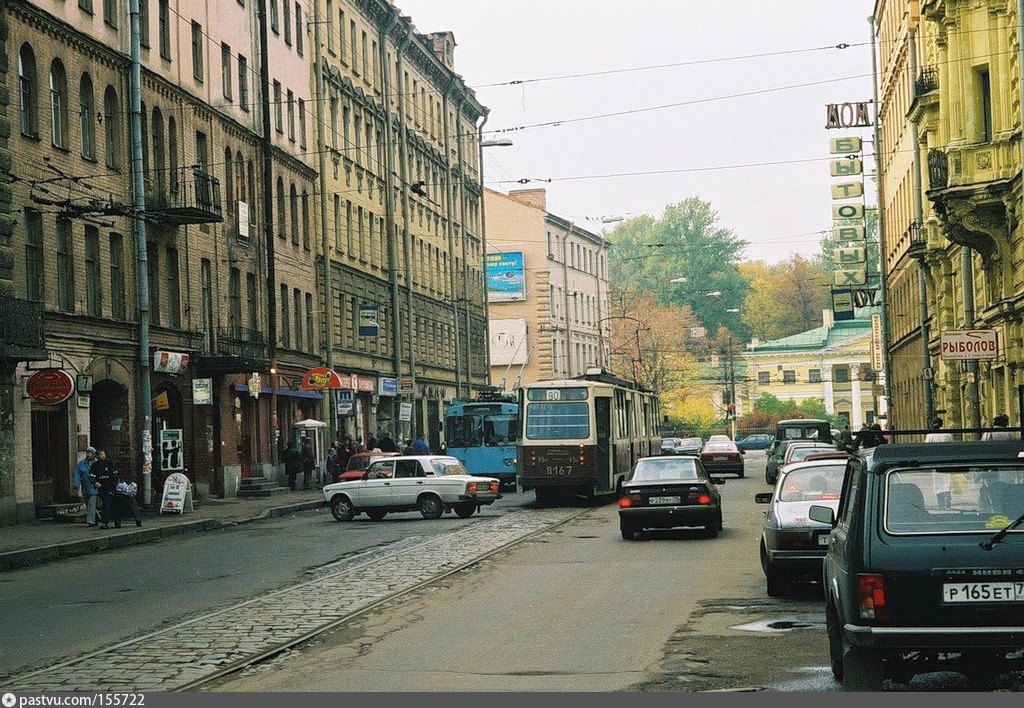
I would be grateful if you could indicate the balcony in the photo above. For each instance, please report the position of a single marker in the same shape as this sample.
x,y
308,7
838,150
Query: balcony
x,y
238,350
22,330
926,82
917,240
938,169
193,198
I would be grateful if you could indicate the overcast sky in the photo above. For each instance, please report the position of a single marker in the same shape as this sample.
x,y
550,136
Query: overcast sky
x,y
778,208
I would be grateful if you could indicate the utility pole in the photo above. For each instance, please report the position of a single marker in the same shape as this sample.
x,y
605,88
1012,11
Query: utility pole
x,y
142,257
268,223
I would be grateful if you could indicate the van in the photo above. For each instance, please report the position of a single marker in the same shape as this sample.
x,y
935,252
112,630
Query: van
x,y
804,429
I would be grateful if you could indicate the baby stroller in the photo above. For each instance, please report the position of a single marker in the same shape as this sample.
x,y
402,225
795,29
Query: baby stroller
x,y
125,504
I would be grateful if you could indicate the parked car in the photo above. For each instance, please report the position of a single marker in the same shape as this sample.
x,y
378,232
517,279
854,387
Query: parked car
x,y
433,484
775,453
690,446
800,449
924,569
793,546
722,458
668,445
358,463
779,455
757,441
663,493
804,429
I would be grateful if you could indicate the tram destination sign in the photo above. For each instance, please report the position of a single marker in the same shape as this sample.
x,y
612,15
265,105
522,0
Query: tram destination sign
x,y
967,344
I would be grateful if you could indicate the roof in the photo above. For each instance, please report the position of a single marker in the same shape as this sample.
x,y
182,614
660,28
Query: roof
x,y
946,452
818,338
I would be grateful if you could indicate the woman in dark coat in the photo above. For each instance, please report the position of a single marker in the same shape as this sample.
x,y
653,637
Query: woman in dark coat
x,y
292,465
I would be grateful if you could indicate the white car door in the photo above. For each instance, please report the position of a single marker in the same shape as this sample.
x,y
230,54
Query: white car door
x,y
375,489
408,482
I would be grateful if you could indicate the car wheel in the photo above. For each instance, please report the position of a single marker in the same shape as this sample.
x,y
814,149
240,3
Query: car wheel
x,y
628,531
465,510
835,642
431,507
862,670
342,509
376,515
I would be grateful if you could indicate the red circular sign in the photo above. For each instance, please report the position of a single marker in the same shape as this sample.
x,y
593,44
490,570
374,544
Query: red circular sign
x,y
50,386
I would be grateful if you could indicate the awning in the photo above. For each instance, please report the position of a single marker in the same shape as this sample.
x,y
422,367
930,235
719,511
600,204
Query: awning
x,y
265,391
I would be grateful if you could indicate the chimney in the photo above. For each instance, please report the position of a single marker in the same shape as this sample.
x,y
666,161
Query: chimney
x,y
536,198
827,318
443,44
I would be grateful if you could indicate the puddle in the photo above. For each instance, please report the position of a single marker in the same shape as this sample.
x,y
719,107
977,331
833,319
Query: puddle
x,y
782,625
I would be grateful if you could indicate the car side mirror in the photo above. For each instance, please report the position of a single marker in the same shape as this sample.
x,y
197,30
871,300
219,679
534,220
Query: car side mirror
x,y
763,498
822,514
717,480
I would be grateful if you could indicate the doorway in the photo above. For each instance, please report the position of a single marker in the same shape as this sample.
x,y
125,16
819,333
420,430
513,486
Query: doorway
x,y
109,425
51,480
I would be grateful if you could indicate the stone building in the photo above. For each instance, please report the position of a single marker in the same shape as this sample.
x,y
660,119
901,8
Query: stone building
x,y
548,291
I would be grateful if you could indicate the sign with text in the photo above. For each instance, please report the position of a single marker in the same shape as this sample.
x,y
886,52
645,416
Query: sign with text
x,y
387,386
851,255
172,450
508,342
877,342
506,276
405,412
368,321
846,168
406,387
346,401
856,276
202,392
966,344
847,211
847,115
48,387
847,190
844,146
848,233
177,494
842,304
169,362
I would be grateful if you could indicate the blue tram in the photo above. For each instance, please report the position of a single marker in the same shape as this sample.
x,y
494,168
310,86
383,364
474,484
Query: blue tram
x,y
482,434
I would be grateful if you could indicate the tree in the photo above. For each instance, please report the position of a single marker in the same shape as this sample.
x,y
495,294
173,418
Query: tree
x,y
785,298
686,242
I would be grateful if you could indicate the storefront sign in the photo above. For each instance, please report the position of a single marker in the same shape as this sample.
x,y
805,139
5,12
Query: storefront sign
x,y
848,233
848,115
405,412
202,392
847,190
846,168
850,256
255,385
877,342
172,450
368,321
177,494
366,384
387,386
865,297
169,362
320,378
844,146
966,344
847,211
842,305
405,387
48,387
345,400
506,276
850,277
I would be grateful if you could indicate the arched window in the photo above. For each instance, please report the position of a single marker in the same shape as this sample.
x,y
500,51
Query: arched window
x,y
229,181
159,156
59,104
281,225
172,152
251,179
295,215
305,219
28,88
240,177
86,117
110,118
145,149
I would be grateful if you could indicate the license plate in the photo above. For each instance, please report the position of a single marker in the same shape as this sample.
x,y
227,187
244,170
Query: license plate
x,y
823,540
956,593
664,500
719,459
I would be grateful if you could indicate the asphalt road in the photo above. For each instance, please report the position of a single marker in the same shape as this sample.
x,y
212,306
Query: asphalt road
x,y
73,606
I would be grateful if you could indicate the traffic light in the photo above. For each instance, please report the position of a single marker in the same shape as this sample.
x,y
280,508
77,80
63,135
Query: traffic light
x,y
730,411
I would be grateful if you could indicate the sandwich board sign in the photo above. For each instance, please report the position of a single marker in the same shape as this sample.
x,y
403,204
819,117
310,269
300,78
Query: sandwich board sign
x,y
177,494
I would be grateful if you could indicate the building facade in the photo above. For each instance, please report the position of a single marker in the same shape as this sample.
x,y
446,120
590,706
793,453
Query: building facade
x,y
547,285
830,363
962,102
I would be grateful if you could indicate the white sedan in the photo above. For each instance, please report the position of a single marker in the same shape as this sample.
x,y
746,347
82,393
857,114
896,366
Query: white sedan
x,y
432,484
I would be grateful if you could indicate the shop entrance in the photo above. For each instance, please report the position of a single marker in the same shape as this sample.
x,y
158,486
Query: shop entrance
x,y
109,425
51,478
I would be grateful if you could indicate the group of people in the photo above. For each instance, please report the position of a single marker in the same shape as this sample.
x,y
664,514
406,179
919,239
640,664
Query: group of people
x,y
97,481
867,437
299,461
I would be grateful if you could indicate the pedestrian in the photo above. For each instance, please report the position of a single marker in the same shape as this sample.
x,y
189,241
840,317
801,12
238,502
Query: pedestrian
x,y
308,463
103,477
846,438
345,452
86,490
332,461
292,465
420,447
998,432
942,482
387,443
407,449
372,442
869,436
936,436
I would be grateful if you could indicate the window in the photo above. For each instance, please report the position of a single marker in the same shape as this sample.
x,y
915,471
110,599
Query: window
x,y
197,52
86,5
87,117
302,124
294,204
789,376
206,302
252,302
337,222
341,33
229,181
334,122
300,28
164,20
841,375
352,45
349,239
243,83
117,306
65,279
363,58
173,289
764,378
285,335
153,267
144,23
286,6
28,89
305,219
235,303
273,17
159,156
172,151
93,279
291,115
557,421
984,84
297,299
330,26
309,322
278,122
58,104
814,376
281,227
33,255
110,12
225,69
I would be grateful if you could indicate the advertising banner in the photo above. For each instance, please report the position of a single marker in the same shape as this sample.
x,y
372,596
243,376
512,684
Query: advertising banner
x,y
506,277
966,344
508,342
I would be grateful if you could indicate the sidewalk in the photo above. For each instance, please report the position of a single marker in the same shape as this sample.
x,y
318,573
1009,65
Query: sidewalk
x,y
46,540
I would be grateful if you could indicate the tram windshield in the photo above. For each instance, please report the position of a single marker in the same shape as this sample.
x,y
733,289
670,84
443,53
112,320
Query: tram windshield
x,y
497,430
557,421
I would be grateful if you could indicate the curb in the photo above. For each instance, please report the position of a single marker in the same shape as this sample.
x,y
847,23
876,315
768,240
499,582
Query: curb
x,y
26,557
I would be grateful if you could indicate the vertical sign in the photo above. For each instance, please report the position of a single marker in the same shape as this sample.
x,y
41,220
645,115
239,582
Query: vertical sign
x,y
368,321
172,457
876,342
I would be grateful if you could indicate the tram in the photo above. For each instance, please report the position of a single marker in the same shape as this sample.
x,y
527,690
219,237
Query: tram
x,y
482,434
582,436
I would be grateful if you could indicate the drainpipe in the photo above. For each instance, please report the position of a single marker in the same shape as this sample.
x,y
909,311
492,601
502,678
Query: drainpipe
x,y
142,258
922,281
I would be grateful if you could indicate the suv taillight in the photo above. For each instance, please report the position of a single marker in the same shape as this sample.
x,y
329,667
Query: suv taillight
x,y
871,592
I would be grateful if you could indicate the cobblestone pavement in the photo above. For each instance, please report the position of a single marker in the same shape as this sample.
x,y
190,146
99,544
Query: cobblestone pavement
x,y
183,654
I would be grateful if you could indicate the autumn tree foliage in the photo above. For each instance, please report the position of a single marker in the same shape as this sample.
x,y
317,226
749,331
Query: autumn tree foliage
x,y
785,298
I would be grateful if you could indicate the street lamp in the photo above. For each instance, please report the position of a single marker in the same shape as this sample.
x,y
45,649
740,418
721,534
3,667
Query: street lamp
x,y
612,219
680,279
733,310
497,142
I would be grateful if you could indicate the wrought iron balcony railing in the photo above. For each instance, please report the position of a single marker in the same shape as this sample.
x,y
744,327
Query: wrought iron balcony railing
x,y
193,198
938,168
927,81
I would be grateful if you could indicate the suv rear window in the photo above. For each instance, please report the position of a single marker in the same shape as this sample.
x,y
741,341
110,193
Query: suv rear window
x,y
953,499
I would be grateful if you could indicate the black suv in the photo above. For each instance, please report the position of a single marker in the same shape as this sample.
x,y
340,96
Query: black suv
x,y
925,565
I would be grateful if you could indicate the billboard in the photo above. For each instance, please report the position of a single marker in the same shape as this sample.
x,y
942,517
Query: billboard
x,y
506,277
508,342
